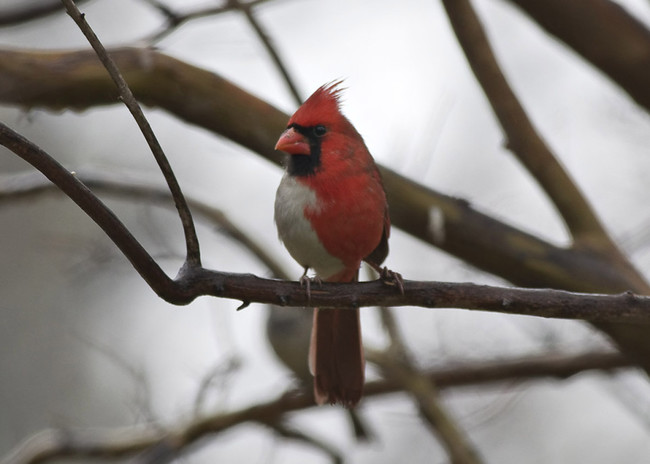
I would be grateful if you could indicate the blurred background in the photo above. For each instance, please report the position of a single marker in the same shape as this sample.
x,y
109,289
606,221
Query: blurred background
x,y
84,343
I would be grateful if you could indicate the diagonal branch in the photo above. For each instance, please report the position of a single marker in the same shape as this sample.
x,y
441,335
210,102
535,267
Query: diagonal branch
x,y
27,185
270,49
68,183
193,257
603,33
75,80
522,137
398,364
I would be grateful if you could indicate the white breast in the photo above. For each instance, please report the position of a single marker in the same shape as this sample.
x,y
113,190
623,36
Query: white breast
x,y
295,230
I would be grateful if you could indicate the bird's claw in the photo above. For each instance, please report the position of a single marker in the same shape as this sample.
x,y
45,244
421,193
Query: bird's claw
x,y
392,278
306,282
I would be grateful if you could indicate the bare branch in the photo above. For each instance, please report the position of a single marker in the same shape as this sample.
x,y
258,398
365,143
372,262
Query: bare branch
x,y
246,8
605,34
523,139
90,204
397,364
55,444
29,12
193,257
29,184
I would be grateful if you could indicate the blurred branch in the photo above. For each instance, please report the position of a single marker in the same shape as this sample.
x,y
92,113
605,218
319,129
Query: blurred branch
x,y
27,185
18,14
522,137
604,34
246,8
531,150
287,432
193,257
110,444
397,364
175,19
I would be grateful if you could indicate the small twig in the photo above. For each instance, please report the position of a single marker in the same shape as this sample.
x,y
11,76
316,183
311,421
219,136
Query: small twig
x,y
246,8
193,258
176,19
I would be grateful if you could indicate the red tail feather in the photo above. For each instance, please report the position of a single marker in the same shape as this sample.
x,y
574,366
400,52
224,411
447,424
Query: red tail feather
x,y
336,356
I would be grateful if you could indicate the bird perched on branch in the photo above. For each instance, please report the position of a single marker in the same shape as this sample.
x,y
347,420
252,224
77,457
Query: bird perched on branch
x,y
331,214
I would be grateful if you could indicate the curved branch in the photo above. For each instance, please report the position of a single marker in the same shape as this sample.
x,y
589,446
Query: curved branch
x,y
604,34
193,254
54,444
92,206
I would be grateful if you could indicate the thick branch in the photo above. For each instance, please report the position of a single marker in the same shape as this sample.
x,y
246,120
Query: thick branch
x,y
605,34
52,444
523,139
30,11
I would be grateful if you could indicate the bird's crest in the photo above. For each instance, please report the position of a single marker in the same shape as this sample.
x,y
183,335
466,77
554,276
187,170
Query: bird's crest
x,y
321,107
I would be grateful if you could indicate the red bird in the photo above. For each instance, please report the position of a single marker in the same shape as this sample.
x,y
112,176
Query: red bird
x,y
331,213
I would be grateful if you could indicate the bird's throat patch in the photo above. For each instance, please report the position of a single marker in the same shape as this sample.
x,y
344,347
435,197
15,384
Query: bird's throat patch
x,y
304,165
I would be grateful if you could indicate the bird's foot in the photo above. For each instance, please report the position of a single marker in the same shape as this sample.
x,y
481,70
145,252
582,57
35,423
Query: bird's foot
x,y
306,282
391,278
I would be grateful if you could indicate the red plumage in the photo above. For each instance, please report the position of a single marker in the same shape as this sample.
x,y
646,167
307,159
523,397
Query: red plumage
x,y
331,214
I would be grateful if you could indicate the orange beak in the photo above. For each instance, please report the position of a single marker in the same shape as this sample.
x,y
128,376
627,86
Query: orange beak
x,y
293,142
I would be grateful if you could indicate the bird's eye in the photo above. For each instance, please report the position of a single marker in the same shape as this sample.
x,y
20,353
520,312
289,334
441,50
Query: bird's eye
x,y
320,130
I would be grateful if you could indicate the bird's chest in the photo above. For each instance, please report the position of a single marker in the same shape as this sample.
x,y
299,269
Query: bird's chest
x,y
293,199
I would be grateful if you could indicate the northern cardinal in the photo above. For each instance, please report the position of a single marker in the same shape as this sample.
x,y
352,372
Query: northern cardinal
x,y
331,214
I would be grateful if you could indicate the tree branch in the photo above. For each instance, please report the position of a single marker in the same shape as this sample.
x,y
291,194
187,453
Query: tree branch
x,y
522,138
29,12
604,34
398,364
193,256
51,444
29,184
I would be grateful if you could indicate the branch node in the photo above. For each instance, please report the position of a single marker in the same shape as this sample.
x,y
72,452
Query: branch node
x,y
244,304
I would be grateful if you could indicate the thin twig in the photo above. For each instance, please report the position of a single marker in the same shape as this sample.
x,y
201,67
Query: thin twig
x,y
246,8
193,258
